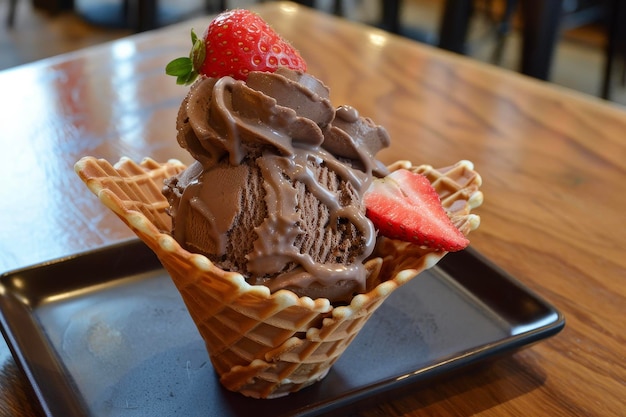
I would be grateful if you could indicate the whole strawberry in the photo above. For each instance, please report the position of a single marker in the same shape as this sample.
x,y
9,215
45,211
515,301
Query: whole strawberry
x,y
235,43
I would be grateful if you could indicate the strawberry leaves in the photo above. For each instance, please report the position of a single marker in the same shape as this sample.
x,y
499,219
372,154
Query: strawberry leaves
x,y
185,69
405,206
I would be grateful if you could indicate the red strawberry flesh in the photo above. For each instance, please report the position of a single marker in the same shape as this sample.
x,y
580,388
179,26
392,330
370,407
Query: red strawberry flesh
x,y
405,206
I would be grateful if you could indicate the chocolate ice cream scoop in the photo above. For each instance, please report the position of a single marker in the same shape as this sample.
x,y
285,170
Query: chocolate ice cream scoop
x,y
276,189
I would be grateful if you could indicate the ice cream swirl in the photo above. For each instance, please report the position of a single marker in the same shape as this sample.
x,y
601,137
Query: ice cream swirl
x,y
276,190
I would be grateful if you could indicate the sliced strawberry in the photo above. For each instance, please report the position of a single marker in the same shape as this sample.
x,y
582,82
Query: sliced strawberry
x,y
405,206
235,43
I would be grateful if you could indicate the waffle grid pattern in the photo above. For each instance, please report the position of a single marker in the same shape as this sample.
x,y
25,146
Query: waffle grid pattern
x,y
134,187
261,344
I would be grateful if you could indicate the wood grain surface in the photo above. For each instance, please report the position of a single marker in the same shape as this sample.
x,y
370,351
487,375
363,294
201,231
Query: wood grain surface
x,y
553,164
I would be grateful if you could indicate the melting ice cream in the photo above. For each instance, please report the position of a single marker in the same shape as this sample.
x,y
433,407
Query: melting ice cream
x,y
275,191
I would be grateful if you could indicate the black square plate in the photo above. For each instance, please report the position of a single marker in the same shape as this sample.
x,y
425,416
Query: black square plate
x,y
105,333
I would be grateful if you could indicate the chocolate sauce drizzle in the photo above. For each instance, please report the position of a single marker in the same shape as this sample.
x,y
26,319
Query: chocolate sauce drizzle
x,y
282,127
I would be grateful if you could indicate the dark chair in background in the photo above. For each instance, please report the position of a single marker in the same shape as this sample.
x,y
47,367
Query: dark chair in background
x,y
615,48
11,13
542,23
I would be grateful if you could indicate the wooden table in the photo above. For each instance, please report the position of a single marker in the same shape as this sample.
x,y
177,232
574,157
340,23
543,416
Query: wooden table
x,y
553,163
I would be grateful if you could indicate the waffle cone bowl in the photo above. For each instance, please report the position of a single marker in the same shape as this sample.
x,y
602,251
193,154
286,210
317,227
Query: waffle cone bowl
x,y
262,344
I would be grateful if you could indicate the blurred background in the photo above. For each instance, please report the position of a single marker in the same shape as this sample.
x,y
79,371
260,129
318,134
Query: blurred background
x,y
36,29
